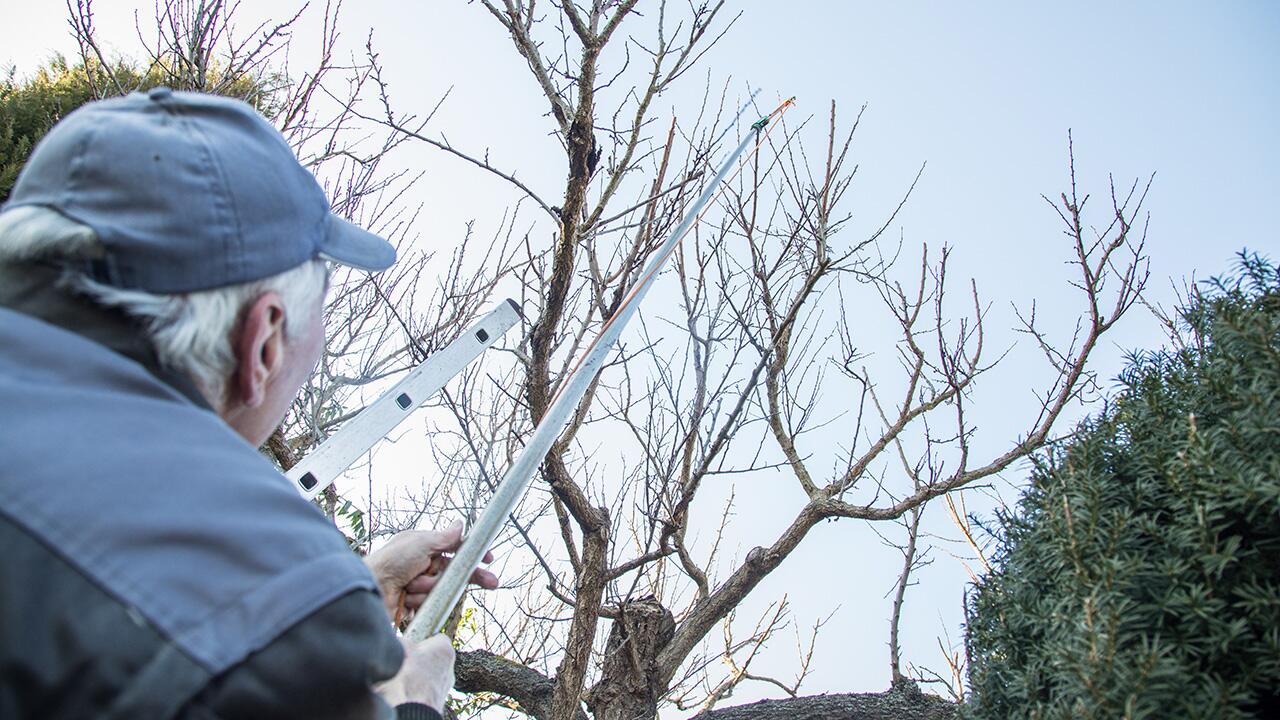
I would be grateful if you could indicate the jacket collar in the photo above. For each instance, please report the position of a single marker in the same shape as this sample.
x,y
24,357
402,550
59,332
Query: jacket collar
x,y
36,290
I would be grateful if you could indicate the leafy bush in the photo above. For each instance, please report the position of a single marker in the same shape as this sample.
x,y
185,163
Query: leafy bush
x,y
29,108
1140,575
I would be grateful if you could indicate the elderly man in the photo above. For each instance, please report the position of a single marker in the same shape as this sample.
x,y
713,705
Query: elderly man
x,y
162,273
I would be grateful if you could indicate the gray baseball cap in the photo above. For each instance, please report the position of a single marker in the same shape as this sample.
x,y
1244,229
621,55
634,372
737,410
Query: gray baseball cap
x,y
188,192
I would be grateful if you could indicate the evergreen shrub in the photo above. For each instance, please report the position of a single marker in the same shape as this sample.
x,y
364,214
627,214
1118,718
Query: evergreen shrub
x,y
31,106
1139,577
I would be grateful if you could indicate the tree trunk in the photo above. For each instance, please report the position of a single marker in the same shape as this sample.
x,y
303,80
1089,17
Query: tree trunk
x,y
630,685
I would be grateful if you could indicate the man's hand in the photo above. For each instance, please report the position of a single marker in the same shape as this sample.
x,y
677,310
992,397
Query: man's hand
x,y
425,677
408,566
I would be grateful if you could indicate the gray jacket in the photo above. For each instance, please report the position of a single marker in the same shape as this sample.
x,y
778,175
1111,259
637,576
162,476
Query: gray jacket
x,y
155,564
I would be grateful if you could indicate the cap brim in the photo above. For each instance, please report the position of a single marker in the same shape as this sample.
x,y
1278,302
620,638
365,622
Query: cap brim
x,y
355,247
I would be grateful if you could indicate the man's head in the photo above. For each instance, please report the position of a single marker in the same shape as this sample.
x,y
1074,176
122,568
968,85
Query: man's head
x,y
190,213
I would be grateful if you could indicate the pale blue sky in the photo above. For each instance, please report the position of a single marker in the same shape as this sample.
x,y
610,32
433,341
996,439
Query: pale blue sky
x,y
985,93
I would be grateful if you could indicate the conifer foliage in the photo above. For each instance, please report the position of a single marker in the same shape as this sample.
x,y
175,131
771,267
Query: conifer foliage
x,y
29,108
1140,575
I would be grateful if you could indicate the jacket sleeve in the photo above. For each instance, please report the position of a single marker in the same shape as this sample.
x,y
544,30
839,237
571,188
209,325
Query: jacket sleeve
x,y
323,667
70,650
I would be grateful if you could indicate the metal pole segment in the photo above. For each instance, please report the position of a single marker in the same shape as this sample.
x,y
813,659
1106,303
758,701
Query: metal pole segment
x,y
431,617
324,464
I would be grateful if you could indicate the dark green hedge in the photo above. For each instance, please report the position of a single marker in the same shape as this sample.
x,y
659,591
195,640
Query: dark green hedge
x,y
1140,575
30,107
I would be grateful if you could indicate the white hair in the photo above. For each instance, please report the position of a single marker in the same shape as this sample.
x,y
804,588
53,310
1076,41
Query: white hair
x,y
191,332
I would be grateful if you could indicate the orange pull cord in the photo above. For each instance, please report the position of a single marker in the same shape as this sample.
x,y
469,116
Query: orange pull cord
x,y
403,613
763,127
402,616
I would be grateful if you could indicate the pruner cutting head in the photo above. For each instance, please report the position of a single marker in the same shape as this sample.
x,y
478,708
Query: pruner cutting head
x,y
763,122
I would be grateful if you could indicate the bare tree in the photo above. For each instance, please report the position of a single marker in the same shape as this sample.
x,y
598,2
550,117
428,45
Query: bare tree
x,y
758,352
752,363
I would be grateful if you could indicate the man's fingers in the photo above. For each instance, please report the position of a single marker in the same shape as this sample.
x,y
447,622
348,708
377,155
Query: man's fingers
x,y
423,543
484,579
435,649
424,582
446,540
421,584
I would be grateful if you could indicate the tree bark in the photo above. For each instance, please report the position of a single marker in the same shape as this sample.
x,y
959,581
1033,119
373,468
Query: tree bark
x,y
630,686
566,699
903,702
483,671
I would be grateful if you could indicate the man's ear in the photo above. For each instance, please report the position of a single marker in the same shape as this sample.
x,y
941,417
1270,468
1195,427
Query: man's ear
x,y
259,348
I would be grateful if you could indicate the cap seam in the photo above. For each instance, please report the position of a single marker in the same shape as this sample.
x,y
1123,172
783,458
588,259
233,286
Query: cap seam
x,y
326,231
77,165
223,200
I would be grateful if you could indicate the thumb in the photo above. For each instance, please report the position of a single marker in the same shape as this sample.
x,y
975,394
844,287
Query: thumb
x,y
451,537
423,543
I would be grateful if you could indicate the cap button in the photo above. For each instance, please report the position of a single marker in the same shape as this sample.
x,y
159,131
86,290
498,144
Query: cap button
x,y
159,93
